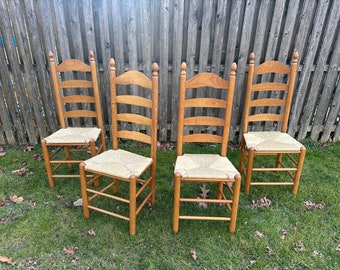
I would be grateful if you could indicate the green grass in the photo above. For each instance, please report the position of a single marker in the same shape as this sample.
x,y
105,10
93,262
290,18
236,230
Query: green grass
x,y
35,232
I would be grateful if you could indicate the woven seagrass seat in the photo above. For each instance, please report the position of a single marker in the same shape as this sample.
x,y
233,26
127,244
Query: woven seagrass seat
x,y
72,135
205,166
134,114
271,141
196,116
80,117
266,111
122,163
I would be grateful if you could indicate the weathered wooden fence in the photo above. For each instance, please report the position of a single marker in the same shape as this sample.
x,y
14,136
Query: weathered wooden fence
x,y
207,34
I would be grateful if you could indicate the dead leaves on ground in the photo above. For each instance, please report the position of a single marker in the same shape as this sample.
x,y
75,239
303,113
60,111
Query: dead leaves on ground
x,y
91,232
262,202
203,195
16,199
70,251
312,205
5,260
2,152
193,254
164,146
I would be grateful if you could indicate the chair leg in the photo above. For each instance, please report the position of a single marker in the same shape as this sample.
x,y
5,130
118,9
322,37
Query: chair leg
x,y
177,192
152,184
299,170
278,161
93,152
234,207
133,182
83,184
47,163
219,190
68,155
242,155
249,170
115,186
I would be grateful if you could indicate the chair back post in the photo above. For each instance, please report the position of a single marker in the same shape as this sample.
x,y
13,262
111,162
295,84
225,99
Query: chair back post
x,y
182,90
291,84
154,127
57,89
248,92
228,109
114,109
93,66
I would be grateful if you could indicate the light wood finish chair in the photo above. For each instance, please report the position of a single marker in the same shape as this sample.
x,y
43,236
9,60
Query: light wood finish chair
x,y
120,165
80,117
268,100
206,168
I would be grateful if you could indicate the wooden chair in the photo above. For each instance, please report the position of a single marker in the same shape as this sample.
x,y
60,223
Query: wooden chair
x,y
134,117
192,128
80,117
266,111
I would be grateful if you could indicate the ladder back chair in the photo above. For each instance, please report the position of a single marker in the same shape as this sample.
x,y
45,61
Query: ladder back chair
x,y
80,117
267,106
213,114
134,100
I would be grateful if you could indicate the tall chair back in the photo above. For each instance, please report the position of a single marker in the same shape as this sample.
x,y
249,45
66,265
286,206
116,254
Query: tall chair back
x,y
205,118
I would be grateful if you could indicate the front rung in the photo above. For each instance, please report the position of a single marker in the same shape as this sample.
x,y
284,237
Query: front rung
x,y
205,218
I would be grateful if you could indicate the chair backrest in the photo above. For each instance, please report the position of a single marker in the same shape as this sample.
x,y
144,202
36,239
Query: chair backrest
x,y
269,94
76,91
205,110
134,106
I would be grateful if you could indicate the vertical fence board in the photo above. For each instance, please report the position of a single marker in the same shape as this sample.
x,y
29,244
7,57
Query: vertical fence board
x,y
7,134
163,73
247,30
10,118
176,64
105,46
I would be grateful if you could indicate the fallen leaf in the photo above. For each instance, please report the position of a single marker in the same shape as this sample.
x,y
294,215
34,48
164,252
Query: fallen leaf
x,y
38,157
259,234
202,204
91,232
28,148
299,247
262,202
269,251
20,171
2,153
16,199
164,147
193,254
5,260
294,227
3,220
70,251
205,191
31,203
78,202
338,247
311,205
284,234
317,253
2,203
59,197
